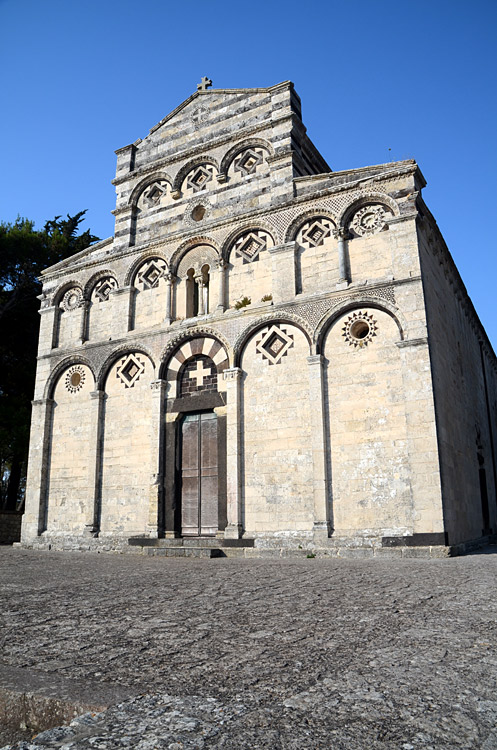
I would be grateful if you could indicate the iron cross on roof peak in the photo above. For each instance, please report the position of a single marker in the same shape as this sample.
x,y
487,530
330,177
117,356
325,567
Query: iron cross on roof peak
x,y
204,84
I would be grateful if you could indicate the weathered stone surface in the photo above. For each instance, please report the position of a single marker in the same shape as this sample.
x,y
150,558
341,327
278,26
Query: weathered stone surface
x,y
318,316
307,653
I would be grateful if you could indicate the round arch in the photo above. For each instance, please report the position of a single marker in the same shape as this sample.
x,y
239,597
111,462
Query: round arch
x,y
170,351
193,242
63,288
88,287
316,212
196,162
330,317
232,237
131,272
143,184
233,152
248,332
106,366
370,197
61,367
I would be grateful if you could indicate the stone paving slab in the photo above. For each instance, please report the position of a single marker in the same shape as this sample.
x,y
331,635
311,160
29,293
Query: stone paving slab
x,y
312,653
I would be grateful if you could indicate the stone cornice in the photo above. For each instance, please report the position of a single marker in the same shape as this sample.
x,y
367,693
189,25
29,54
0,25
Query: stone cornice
x,y
49,272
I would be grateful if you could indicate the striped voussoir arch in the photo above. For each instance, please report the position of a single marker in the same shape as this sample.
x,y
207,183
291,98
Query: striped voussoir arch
x,y
203,345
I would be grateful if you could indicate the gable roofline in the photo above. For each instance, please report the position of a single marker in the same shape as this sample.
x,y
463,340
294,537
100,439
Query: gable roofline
x,y
209,92
77,256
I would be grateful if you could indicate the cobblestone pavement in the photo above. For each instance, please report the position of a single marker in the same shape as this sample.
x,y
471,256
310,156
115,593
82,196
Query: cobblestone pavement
x,y
228,653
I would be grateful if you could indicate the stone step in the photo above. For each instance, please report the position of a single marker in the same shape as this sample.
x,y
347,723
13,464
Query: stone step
x,y
190,542
184,552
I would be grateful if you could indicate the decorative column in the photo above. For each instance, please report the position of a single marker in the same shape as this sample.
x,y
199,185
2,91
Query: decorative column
x,y
222,267
35,514
170,281
322,525
156,494
83,329
341,235
92,520
199,280
233,380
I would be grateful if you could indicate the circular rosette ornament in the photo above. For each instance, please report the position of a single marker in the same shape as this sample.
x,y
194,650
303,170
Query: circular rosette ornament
x,y
359,329
368,220
72,299
75,378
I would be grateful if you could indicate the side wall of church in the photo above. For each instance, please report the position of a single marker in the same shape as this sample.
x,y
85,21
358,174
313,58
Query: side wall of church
x,y
463,420
276,429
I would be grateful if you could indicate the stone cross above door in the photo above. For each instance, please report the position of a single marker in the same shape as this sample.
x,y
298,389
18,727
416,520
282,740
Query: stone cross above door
x,y
200,373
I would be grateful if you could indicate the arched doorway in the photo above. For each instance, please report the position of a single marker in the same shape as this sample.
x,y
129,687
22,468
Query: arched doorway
x,y
195,441
199,474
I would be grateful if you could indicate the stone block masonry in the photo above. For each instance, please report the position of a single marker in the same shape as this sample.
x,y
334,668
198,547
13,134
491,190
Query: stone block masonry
x,y
265,351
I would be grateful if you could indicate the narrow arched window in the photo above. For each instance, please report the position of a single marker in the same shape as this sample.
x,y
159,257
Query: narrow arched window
x,y
191,294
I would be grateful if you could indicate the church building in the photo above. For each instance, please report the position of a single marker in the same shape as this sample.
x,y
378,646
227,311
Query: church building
x,y
268,357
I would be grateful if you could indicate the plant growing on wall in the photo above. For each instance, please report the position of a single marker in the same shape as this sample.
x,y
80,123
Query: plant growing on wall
x,y
242,302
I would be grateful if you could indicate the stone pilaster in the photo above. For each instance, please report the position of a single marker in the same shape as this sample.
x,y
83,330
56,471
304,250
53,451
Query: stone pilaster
x,y
283,271
34,520
49,328
125,226
92,521
322,525
156,496
123,309
233,382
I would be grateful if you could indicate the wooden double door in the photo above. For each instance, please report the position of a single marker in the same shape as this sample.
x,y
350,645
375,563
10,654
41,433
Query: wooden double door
x,y
199,474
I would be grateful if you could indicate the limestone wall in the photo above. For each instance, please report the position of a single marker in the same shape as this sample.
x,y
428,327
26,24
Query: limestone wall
x,y
367,426
276,429
125,464
463,420
68,469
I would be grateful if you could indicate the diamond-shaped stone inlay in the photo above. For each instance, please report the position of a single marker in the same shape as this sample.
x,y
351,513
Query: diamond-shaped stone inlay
x,y
103,288
150,273
153,194
274,345
199,177
315,231
249,245
130,369
248,161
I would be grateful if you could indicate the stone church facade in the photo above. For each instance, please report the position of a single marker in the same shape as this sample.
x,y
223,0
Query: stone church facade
x,y
267,356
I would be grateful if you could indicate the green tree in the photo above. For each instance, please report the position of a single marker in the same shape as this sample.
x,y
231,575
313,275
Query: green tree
x,y
24,254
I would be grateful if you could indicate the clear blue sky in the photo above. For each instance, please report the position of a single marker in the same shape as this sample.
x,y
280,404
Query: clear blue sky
x,y
379,81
